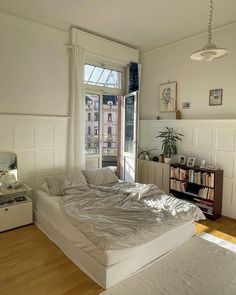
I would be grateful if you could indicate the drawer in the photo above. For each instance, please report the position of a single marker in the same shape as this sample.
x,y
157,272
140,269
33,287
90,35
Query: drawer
x,y
14,216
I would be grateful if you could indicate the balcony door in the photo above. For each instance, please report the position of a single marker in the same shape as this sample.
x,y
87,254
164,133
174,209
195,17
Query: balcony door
x,y
102,131
130,132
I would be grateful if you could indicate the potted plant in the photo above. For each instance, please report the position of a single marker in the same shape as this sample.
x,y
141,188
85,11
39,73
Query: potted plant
x,y
145,154
169,142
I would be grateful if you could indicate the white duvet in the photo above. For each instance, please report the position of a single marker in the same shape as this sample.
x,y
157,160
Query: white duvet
x,y
125,215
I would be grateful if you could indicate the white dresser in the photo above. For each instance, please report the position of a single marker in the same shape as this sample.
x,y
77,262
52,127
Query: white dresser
x,y
154,172
15,207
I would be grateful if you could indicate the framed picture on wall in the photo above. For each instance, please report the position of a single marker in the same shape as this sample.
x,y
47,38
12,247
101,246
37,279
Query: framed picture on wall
x,y
168,97
215,97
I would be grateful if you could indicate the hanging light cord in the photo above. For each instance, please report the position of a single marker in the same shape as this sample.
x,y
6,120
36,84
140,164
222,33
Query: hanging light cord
x,y
210,22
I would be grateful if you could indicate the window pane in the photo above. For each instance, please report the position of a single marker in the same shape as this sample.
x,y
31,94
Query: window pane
x,y
92,124
88,71
129,124
95,75
103,77
110,129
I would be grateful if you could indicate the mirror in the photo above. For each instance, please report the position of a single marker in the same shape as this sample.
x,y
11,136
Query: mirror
x,y
8,169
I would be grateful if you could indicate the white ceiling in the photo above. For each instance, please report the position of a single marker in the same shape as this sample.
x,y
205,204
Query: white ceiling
x,y
142,24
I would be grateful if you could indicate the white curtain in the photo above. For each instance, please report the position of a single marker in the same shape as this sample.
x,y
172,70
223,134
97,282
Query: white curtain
x,y
76,128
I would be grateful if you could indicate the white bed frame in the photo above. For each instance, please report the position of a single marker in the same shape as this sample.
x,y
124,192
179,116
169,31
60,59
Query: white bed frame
x,y
107,276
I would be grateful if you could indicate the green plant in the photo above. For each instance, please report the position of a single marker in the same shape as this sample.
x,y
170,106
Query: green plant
x,y
169,140
142,153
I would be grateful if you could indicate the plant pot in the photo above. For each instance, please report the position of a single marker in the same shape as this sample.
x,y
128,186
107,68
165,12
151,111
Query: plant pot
x,y
167,160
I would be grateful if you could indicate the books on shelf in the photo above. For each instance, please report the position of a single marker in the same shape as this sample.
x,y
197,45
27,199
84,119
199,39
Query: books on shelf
x,y
208,208
193,176
206,193
178,185
199,185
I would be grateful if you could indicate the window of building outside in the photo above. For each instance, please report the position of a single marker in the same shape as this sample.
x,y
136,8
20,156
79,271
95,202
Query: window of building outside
x,y
89,130
96,116
95,130
109,130
89,117
109,117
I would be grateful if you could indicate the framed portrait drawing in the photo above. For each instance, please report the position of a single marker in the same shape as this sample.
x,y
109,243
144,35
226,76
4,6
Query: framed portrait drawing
x,y
215,97
168,97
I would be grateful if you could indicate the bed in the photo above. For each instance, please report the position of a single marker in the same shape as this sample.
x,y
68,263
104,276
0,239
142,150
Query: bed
x,y
107,265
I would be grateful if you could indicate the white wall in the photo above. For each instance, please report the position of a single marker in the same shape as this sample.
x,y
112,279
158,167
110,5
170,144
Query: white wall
x,y
210,140
34,79
195,79
34,68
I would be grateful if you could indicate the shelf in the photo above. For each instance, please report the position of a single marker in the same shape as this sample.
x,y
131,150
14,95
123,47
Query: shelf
x,y
191,182
193,195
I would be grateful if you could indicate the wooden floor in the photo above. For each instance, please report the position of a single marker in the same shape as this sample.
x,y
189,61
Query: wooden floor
x,y
31,264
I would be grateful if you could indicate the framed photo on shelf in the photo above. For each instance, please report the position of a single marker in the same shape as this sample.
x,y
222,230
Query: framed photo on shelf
x,y
215,97
191,162
168,97
182,160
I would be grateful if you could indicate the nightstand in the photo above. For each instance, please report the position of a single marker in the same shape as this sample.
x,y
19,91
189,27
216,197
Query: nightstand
x,y
15,207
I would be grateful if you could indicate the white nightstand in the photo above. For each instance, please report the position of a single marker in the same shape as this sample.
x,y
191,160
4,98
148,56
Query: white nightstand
x,y
15,207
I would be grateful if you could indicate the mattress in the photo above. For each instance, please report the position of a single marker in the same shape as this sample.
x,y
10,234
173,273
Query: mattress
x,y
105,267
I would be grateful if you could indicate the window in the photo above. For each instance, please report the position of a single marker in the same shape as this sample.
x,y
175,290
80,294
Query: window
x,y
95,130
89,117
109,117
96,117
109,130
89,130
103,77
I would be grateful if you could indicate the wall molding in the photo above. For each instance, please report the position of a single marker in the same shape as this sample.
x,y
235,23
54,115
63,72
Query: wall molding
x,y
36,115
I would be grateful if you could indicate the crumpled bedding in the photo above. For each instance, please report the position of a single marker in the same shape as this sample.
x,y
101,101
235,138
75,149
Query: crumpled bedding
x,y
125,215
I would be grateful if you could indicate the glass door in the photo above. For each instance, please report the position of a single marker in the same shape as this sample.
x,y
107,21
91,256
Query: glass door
x,y
102,130
93,148
130,130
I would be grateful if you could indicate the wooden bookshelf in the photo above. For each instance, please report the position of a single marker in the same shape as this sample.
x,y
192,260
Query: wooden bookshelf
x,y
202,186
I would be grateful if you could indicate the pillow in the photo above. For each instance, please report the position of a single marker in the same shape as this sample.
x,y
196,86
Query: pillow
x,y
77,178
44,187
100,177
55,184
58,183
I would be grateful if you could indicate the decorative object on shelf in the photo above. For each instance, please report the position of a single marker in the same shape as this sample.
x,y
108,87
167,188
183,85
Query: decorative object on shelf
x,y
169,143
210,51
186,105
182,160
161,158
178,115
168,97
215,97
203,164
191,162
